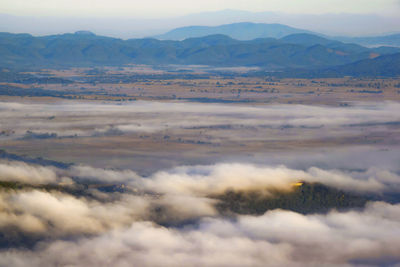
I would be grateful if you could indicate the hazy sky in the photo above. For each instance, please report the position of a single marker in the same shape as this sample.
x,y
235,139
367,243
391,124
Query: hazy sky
x,y
157,8
138,18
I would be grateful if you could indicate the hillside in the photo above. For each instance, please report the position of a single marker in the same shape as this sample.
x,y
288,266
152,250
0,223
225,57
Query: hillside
x,y
383,66
387,65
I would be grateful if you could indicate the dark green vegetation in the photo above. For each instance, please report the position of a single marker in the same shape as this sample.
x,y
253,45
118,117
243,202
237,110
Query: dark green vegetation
x,y
299,51
308,198
16,91
383,66
10,90
29,135
40,161
21,76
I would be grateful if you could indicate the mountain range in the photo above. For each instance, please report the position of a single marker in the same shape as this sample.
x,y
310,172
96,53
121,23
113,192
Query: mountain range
x,y
294,51
248,31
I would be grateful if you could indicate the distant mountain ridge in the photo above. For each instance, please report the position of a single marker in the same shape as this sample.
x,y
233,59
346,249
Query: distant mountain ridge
x,y
332,24
246,31
297,51
238,31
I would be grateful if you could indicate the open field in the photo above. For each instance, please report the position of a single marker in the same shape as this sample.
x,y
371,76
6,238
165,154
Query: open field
x,y
203,85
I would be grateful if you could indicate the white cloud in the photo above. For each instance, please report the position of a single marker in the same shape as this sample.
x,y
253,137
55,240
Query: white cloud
x,y
24,173
121,228
277,238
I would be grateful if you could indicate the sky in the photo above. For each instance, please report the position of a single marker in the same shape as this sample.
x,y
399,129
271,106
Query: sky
x,y
162,8
136,18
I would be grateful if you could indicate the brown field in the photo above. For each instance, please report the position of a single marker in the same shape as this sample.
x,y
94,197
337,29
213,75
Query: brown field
x,y
146,83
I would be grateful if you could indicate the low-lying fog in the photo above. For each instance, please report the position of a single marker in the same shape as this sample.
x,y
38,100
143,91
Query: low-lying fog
x,y
87,119
52,216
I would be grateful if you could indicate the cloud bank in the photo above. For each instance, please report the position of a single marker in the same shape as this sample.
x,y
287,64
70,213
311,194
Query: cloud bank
x,y
170,218
278,238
